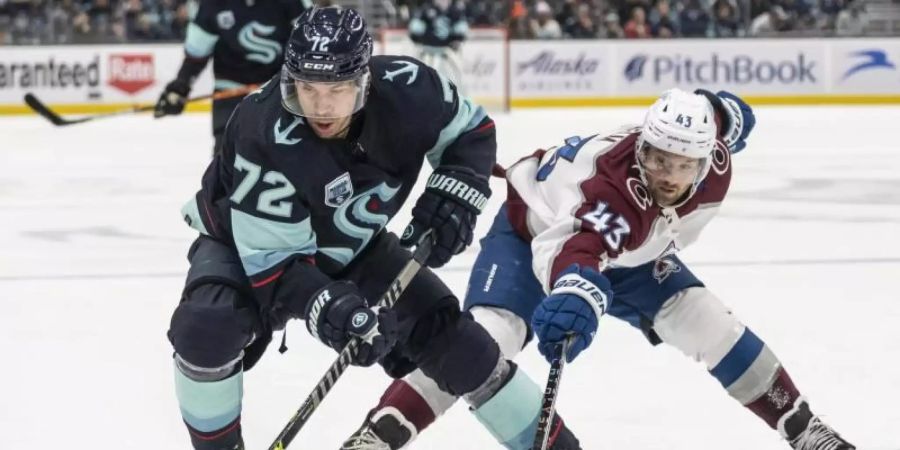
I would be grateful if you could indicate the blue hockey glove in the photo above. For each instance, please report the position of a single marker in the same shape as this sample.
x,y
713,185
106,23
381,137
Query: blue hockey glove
x,y
453,198
738,116
579,297
741,121
338,312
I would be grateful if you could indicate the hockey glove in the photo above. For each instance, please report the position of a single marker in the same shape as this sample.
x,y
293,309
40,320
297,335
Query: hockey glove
x,y
171,101
338,312
453,198
739,118
579,297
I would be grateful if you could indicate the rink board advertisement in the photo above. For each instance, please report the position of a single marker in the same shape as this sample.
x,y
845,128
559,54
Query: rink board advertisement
x,y
89,78
566,69
530,73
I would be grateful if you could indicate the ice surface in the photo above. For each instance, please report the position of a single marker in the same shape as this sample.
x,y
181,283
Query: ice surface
x,y
806,251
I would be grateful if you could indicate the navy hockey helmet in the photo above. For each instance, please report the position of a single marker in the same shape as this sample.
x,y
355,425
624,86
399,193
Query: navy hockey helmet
x,y
325,73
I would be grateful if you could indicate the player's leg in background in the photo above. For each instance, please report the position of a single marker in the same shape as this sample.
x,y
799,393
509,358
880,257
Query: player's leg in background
x,y
212,331
669,304
221,112
445,61
502,290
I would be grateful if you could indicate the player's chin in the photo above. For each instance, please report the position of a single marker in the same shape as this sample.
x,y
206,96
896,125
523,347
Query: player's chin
x,y
324,128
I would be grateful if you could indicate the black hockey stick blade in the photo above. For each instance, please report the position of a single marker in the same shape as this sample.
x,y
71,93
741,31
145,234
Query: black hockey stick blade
x,y
548,403
44,111
396,288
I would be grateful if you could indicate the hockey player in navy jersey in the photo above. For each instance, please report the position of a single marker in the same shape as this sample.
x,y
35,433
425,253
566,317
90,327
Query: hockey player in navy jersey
x,y
438,28
593,227
244,38
292,213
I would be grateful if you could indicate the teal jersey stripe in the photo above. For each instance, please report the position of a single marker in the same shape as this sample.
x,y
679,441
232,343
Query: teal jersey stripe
x,y
221,84
263,244
198,42
191,214
468,116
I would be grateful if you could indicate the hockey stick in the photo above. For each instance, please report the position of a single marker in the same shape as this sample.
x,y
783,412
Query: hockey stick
x,y
548,404
42,109
409,271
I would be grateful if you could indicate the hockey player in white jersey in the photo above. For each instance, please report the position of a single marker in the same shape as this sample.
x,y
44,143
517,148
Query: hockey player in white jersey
x,y
438,29
592,227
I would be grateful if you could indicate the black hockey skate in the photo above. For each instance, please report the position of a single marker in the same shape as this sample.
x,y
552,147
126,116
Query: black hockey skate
x,y
386,433
804,431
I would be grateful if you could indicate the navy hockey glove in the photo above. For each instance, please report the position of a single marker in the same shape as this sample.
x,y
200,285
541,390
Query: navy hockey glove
x,y
741,123
453,198
579,297
171,101
739,118
338,312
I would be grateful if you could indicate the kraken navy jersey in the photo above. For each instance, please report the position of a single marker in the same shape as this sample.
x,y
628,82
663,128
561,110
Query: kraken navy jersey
x,y
434,27
298,208
244,37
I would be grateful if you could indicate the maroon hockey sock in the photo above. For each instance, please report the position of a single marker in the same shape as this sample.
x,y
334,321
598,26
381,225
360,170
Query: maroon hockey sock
x,y
777,400
404,398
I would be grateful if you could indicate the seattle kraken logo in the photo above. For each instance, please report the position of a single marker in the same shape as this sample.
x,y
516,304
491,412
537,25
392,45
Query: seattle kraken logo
x,y
408,67
361,209
258,48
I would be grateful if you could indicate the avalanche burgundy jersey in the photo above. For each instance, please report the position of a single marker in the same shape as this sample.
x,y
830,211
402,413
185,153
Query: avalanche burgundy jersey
x,y
294,204
245,37
584,202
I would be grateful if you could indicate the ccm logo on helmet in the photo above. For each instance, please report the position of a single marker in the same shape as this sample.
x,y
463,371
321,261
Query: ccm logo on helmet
x,y
322,67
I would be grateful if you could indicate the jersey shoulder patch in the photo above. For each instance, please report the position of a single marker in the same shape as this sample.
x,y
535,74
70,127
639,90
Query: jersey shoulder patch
x,y
411,88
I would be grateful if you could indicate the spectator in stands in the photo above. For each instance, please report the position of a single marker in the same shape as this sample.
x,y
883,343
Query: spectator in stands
x,y
829,10
769,22
625,8
694,20
726,23
519,26
544,26
663,23
637,26
583,26
611,29
851,21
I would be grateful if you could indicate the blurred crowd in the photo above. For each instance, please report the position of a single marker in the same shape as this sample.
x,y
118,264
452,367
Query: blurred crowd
x,y
114,21
634,19
92,21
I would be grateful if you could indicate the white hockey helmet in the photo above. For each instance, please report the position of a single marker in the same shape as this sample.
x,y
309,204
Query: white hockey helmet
x,y
681,123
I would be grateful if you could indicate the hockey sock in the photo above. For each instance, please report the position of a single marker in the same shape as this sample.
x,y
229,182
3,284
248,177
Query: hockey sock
x,y
511,415
406,401
753,375
210,407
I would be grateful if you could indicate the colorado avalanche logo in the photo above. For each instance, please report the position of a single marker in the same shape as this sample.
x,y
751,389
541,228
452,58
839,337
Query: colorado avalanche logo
x,y
338,190
663,268
639,193
721,159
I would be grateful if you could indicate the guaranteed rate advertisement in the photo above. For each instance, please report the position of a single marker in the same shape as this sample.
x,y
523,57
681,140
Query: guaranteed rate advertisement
x,y
86,75
748,66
